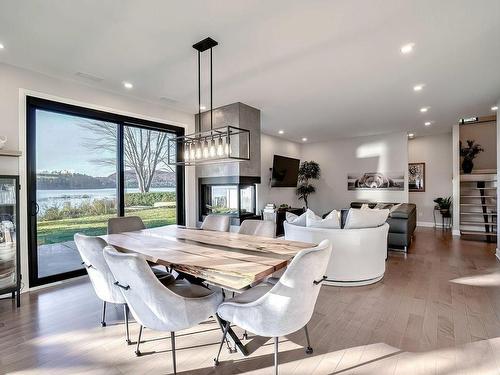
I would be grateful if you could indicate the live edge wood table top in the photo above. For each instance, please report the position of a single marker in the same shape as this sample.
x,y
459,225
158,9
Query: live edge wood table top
x,y
230,260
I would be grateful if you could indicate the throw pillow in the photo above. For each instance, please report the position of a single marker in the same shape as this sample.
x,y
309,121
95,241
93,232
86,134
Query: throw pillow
x,y
365,206
330,221
295,219
365,218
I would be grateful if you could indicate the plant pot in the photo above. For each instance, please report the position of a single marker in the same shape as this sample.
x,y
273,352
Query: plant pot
x,y
467,166
445,212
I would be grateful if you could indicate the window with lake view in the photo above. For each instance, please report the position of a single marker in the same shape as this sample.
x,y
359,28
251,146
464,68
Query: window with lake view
x,y
78,182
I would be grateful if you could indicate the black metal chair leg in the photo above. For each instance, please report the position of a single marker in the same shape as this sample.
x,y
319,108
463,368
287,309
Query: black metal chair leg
x,y
226,328
276,356
127,334
103,321
309,349
172,339
137,351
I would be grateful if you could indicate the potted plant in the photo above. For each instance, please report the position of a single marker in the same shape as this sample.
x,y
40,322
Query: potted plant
x,y
469,153
308,170
444,205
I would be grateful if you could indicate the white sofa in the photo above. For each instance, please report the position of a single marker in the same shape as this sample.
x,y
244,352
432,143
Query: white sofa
x,y
358,255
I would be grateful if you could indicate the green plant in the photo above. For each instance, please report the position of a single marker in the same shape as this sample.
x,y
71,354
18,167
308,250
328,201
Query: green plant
x,y
308,170
444,203
471,151
148,199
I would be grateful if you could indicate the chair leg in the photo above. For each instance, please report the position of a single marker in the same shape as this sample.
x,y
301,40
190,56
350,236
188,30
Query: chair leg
x,y
172,339
226,328
276,355
127,334
137,351
103,321
309,349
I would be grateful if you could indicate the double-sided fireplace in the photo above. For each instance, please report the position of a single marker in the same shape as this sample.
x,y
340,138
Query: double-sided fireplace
x,y
233,196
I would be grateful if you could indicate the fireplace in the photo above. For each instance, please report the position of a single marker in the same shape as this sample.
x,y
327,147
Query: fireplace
x,y
233,196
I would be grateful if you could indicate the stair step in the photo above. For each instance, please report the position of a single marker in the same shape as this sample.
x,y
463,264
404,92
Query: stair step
x,y
478,213
477,233
478,196
477,223
477,205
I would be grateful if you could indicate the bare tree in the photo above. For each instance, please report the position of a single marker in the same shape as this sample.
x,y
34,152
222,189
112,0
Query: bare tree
x,y
145,151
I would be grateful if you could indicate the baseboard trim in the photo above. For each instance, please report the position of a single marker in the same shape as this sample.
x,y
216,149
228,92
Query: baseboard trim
x,y
429,224
456,232
497,254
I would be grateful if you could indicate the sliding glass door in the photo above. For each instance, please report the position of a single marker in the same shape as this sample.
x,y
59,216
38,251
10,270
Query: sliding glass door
x,y
75,187
86,166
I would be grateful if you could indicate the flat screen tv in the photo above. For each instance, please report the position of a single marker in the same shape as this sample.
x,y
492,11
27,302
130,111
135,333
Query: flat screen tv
x,y
285,171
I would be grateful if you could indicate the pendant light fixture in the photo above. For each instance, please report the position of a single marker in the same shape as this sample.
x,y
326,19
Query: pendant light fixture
x,y
215,145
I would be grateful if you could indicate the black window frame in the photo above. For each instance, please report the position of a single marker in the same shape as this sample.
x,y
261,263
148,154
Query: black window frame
x,y
32,104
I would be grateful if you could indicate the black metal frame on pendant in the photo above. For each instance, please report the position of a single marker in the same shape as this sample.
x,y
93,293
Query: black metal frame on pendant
x,y
212,134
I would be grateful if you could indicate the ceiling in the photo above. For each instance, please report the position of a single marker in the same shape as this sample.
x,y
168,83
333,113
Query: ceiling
x,y
316,69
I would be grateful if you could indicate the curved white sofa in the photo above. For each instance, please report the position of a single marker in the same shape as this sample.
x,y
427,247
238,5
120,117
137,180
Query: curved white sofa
x,y
358,255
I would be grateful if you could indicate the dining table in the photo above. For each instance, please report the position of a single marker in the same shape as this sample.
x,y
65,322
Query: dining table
x,y
231,261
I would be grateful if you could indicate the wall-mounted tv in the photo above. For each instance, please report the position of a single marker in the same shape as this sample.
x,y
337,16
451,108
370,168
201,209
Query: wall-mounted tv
x,y
285,171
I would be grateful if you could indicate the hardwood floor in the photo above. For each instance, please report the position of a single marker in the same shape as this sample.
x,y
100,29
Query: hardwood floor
x,y
437,311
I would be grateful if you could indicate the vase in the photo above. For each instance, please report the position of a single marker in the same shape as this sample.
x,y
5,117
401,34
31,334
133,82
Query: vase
x,y
467,166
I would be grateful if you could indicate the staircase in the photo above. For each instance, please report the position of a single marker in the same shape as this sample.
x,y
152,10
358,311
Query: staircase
x,y
478,205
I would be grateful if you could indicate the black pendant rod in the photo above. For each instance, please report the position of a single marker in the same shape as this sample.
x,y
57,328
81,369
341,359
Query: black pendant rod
x,y
211,94
199,90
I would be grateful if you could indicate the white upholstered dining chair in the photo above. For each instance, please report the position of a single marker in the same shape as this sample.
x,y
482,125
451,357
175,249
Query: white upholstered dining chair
x,y
219,223
91,252
280,309
263,228
176,306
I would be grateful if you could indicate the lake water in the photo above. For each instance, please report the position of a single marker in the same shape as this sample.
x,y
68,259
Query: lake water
x,y
49,198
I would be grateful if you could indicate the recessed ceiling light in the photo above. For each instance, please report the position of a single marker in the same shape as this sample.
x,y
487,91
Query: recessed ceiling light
x,y
202,107
407,48
494,108
418,87
411,135
304,139
281,132
128,85
427,123
2,46
424,109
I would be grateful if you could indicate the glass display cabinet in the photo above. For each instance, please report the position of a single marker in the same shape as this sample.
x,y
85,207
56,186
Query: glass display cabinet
x,y
10,273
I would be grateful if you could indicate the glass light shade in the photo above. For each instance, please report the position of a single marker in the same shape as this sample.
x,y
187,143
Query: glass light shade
x,y
226,147
198,151
220,148
186,154
192,154
212,151
205,150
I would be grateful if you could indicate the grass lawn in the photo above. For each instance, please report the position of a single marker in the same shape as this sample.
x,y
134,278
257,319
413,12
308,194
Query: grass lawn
x,y
55,231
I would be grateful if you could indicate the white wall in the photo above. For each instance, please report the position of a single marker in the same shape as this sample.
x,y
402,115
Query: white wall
x,y
436,152
270,146
381,153
15,83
